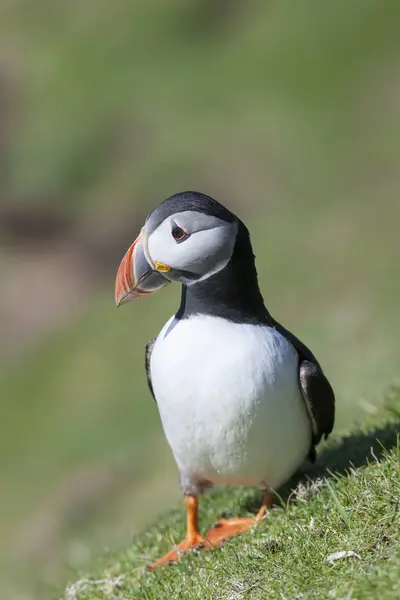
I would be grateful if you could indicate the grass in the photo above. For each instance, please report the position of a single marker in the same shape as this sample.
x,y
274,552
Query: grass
x,y
337,535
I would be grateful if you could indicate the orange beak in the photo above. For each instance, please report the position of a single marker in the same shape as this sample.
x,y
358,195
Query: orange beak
x,y
136,276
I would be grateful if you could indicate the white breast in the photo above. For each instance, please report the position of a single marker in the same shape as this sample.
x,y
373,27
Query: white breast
x,y
230,402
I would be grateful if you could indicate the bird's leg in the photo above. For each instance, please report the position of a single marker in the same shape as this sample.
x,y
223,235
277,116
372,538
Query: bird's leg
x,y
227,528
192,539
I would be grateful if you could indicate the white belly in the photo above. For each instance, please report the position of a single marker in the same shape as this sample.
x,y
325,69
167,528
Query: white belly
x,y
230,402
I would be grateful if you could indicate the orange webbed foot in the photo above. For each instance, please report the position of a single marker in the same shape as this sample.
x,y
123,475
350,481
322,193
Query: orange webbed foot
x,y
195,542
224,529
193,539
221,531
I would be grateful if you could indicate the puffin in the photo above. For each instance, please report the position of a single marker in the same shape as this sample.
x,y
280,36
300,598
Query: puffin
x,y
242,400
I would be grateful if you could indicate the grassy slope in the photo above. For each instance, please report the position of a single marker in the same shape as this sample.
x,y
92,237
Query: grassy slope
x,y
349,503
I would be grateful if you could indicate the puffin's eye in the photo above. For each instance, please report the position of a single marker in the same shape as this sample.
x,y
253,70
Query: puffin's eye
x,y
178,233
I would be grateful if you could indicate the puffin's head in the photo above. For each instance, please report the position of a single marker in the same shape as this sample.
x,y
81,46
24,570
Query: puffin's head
x,y
187,238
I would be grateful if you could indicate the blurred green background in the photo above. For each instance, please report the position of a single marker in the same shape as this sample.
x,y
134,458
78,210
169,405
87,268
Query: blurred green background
x,y
288,113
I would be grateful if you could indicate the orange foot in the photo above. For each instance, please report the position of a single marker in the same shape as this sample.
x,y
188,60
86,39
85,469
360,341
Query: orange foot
x,y
227,528
194,542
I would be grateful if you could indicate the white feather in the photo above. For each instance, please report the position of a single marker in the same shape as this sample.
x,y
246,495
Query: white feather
x,y
207,250
230,402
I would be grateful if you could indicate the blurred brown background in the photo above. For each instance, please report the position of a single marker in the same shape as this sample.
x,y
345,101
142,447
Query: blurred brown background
x,y
286,112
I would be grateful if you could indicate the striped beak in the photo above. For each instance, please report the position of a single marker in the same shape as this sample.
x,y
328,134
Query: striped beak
x,y
137,275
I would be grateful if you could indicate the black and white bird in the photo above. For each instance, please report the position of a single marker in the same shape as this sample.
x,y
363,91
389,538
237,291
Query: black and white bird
x,y
242,400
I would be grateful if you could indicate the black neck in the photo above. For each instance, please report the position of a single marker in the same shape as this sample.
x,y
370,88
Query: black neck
x,y
232,293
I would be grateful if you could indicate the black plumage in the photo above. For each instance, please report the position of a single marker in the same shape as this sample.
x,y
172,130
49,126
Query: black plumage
x,y
147,356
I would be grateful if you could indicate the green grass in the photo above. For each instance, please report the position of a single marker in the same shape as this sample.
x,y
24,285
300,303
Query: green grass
x,y
348,502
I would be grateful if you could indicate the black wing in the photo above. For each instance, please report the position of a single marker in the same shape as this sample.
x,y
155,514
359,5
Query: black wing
x,y
319,398
147,356
317,391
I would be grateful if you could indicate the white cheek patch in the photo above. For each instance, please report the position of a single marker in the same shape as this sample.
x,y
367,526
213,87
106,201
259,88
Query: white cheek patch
x,y
203,253
216,247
